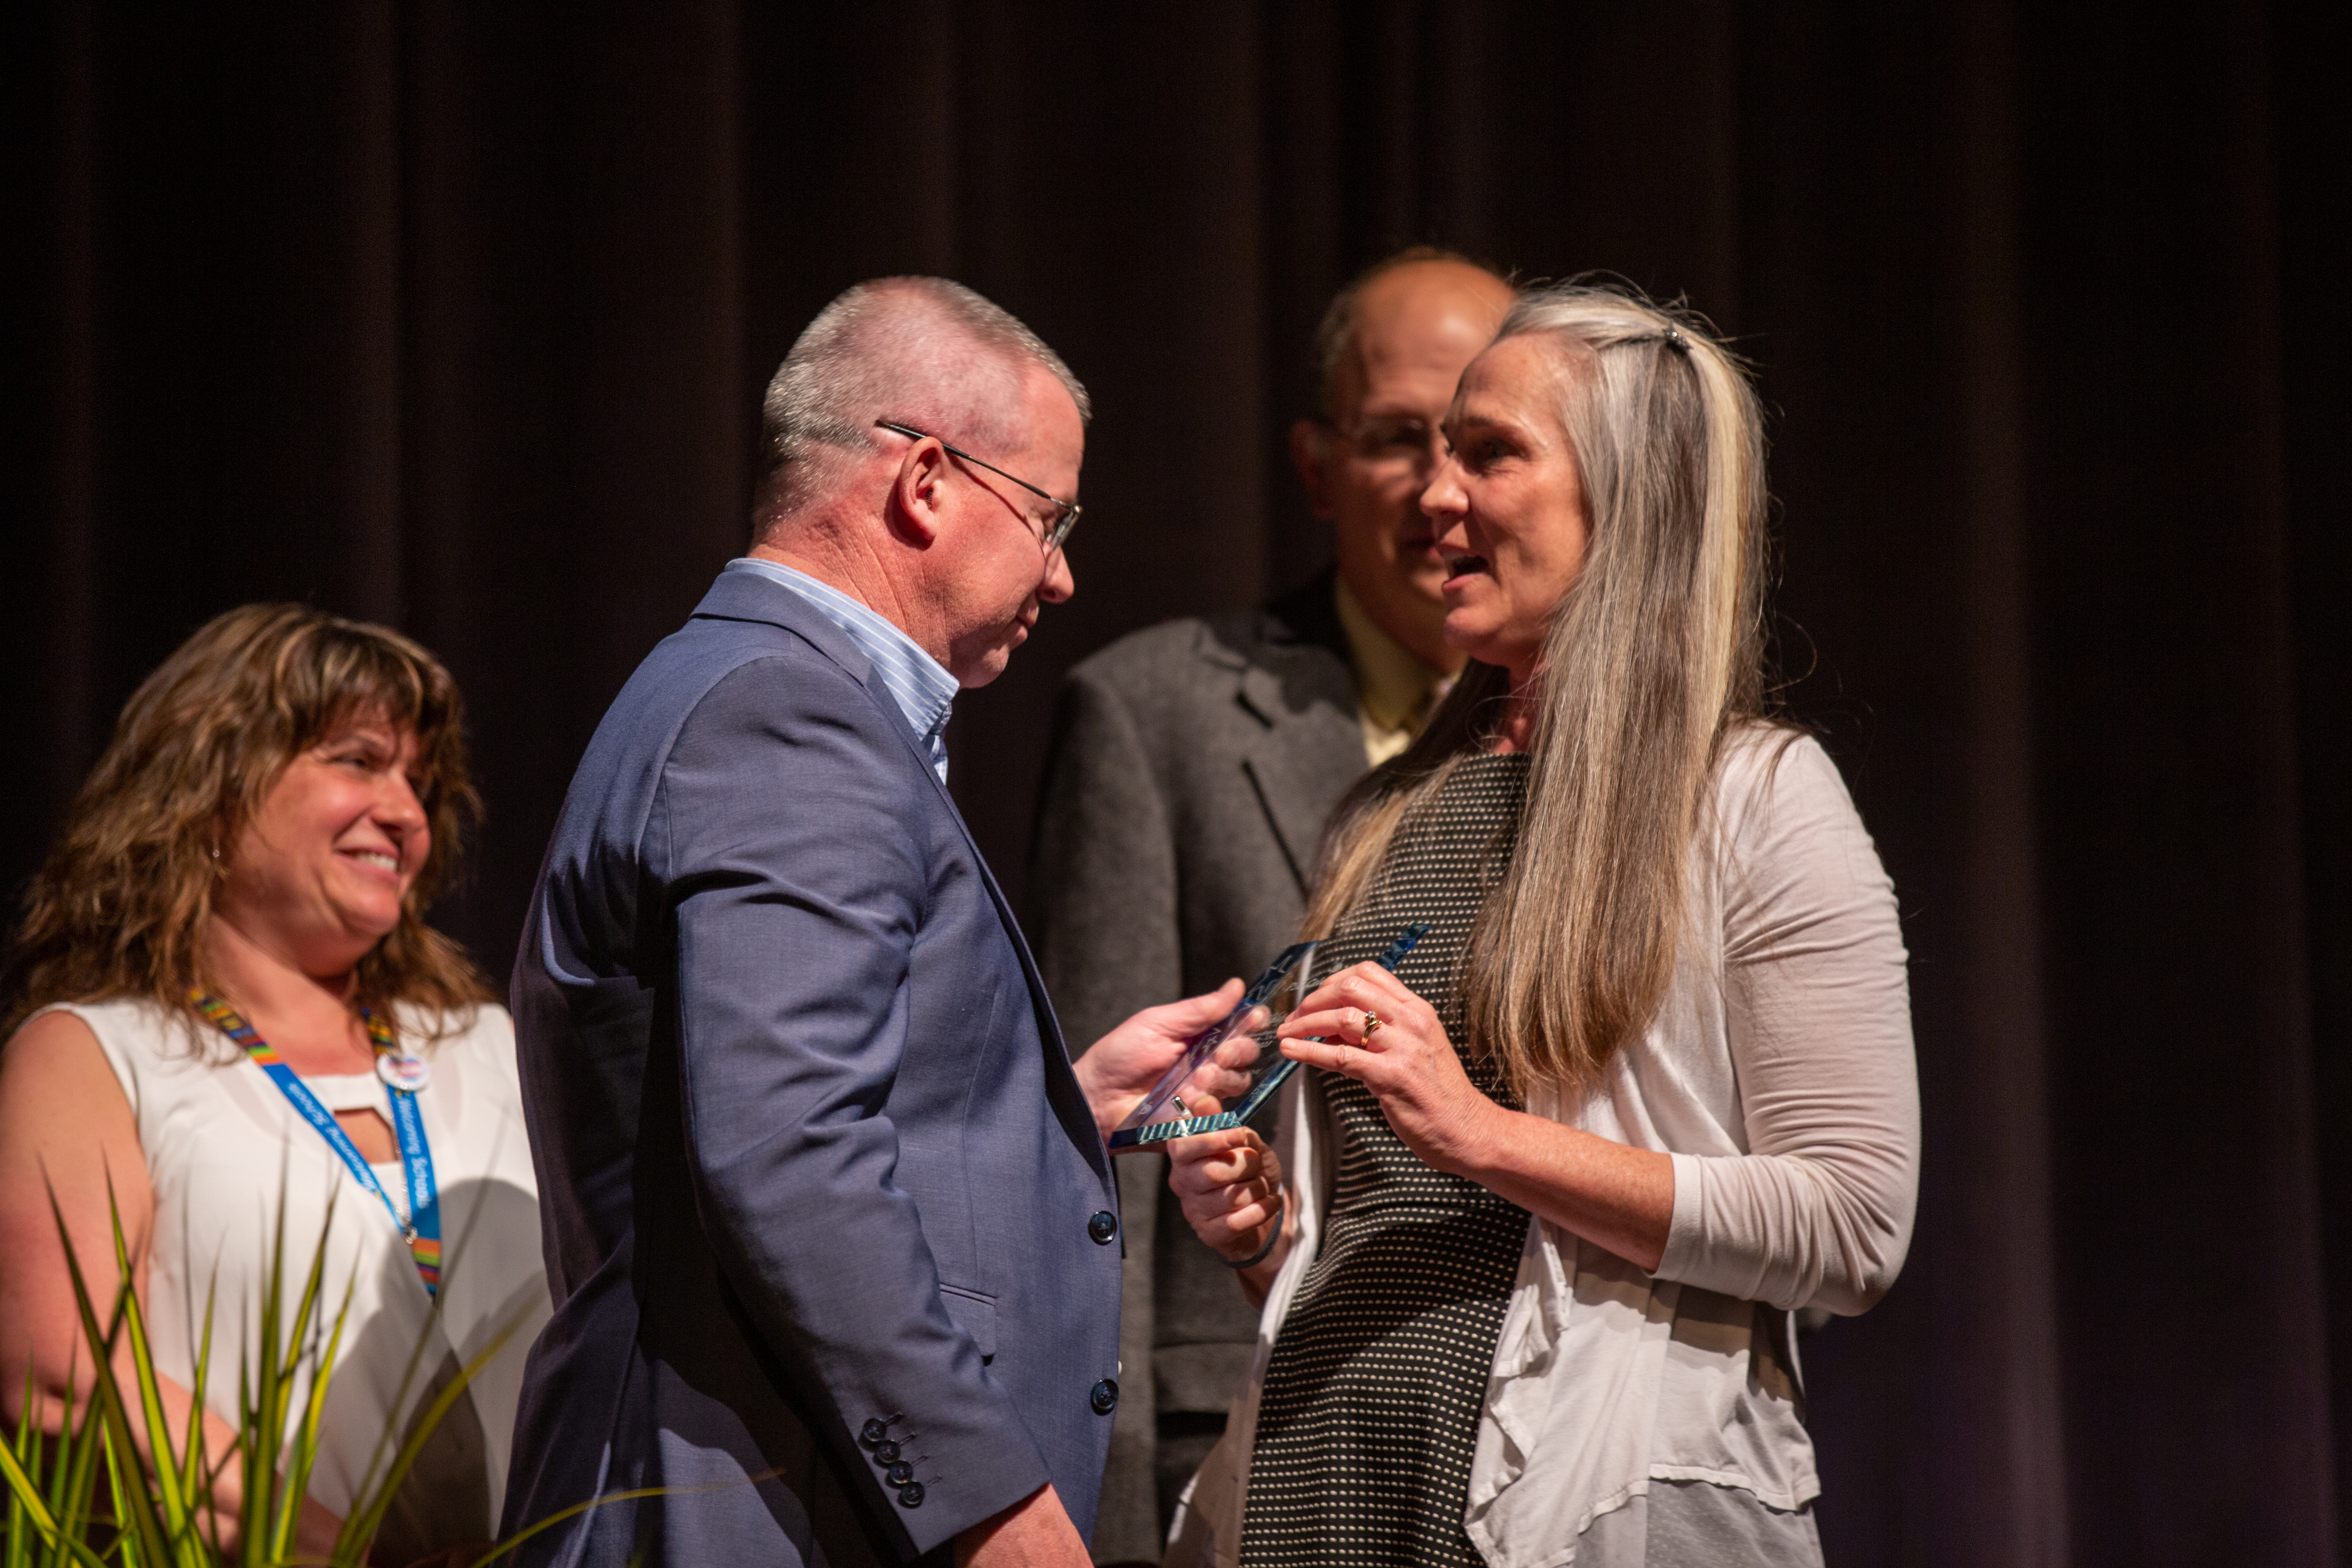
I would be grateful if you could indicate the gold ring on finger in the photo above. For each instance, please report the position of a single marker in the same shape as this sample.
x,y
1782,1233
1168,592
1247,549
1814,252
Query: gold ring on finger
x,y
1372,1025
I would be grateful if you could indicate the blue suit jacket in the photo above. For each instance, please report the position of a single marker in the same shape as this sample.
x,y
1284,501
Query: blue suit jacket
x,y
811,1155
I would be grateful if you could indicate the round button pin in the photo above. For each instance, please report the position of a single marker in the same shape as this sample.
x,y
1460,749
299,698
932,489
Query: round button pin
x,y
401,1071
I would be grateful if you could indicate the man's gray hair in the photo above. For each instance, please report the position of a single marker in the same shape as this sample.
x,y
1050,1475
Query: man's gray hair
x,y
921,352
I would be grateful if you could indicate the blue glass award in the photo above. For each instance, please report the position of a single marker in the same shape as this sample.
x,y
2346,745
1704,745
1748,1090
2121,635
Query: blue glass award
x,y
1226,1064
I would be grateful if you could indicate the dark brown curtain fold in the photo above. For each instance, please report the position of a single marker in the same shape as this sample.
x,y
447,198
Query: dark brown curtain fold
x,y
457,317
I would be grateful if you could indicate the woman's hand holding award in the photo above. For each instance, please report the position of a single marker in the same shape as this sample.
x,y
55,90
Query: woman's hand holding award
x,y
1226,1064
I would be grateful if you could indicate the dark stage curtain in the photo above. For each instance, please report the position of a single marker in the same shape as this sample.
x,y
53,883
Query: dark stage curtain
x,y
455,317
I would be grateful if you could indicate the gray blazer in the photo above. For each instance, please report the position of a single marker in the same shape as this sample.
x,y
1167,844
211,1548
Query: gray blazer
x,y
1192,767
829,1229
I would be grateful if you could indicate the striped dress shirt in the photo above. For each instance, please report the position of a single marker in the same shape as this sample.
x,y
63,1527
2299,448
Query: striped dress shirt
x,y
923,690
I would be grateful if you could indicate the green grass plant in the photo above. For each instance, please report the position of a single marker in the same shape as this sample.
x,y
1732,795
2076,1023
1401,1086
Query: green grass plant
x,y
93,1496
162,1514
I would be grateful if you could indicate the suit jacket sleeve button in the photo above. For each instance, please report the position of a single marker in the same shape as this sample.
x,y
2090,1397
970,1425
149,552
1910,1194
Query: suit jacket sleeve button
x,y
1105,1398
1102,1227
911,1495
873,1432
886,1453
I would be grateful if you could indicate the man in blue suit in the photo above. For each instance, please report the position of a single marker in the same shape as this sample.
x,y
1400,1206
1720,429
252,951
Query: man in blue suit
x,y
830,1226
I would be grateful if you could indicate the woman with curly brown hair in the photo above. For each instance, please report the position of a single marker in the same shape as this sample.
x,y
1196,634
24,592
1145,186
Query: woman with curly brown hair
x,y
229,1019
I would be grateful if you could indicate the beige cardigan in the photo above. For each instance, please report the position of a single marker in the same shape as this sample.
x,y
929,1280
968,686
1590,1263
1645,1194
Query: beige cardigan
x,y
1779,1074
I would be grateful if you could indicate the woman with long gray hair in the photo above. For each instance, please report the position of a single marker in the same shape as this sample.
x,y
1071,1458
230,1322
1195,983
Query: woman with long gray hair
x,y
1537,1218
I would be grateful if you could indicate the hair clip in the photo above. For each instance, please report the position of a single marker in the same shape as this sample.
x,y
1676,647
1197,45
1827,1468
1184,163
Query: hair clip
x,y
1676,341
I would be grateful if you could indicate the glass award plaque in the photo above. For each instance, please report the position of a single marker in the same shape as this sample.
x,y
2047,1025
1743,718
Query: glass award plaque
x,y
1227,1064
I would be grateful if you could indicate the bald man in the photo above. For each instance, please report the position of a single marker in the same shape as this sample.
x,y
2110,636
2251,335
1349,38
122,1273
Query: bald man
x,y
1194,765
830,1228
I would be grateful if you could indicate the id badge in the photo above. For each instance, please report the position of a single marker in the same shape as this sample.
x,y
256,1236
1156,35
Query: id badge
x,y
1226,1064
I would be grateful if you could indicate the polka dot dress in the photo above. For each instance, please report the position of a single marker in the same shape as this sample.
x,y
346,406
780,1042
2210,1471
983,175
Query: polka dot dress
x,y
1372,1402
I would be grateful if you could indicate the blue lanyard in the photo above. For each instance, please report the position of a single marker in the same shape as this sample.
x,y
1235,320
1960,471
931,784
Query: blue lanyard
x,y
422,1229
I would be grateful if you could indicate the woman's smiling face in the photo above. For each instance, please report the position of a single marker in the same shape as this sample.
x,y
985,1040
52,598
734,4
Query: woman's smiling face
x,y
320,873
1508,506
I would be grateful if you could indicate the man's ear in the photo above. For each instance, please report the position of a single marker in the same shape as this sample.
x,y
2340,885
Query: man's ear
x,y
1311,453
919,493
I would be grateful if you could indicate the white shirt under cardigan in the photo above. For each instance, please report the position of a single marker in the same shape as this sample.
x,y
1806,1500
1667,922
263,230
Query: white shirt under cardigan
x,y
1779,1074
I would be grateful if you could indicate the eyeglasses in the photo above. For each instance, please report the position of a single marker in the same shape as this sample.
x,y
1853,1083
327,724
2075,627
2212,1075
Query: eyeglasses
x,y
1394,442
1065,515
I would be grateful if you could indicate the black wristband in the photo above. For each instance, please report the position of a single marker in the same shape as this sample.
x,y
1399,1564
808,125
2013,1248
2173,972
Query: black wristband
x,y
1254,1259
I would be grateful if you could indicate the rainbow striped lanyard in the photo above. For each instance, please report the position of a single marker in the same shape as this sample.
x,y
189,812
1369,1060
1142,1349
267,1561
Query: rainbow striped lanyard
x,y
422,1229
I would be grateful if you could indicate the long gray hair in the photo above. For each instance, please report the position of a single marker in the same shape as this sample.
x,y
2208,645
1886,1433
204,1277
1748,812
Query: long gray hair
x,y
1651,657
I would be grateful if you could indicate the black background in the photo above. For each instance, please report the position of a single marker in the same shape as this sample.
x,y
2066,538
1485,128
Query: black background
x,y
455,317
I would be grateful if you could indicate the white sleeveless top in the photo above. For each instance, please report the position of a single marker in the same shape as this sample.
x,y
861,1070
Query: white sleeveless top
x,y
222,1141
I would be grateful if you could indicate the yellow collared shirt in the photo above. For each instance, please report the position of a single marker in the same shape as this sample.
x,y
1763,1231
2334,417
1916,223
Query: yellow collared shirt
x,y
1394,690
